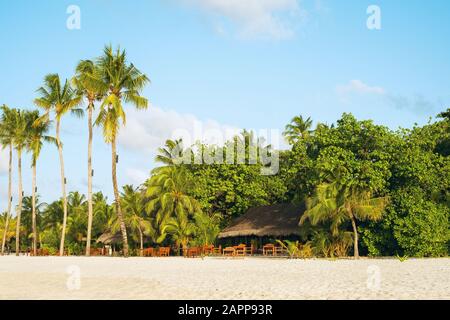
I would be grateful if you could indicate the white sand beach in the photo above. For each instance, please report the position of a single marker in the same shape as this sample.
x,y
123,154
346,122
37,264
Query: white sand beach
x,y
218,278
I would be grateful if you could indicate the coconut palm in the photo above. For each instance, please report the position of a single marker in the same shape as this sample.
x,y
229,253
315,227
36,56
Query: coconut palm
x,y
76,220
124,82
7,129
181,228
168,201
22,125
299,128
36,137
135,215
88,83
59,99
207,227
171,153
338,202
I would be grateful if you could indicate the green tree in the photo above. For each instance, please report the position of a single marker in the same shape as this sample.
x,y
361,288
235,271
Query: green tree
x,y
298,129
125,82
21,133
37,135
88,82
207,227
338,202
135,215
60,99
7,132
168,199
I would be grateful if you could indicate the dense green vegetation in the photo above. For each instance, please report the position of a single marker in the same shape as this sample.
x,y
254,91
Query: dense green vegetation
x,y
368,190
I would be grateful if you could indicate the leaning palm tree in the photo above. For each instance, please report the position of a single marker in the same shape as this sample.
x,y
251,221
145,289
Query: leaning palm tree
x,y
299,128
88,83
124,82
59,99
36,137
21,132
338,202
7,129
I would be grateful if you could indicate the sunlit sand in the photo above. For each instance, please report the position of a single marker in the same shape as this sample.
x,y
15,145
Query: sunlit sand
x,y
219,278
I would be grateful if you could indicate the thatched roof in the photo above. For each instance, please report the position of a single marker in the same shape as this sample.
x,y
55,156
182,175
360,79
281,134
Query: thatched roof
x,y
109,238
276,220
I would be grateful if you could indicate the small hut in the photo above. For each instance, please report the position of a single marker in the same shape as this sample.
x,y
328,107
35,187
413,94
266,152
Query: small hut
x,y
109,241
260,225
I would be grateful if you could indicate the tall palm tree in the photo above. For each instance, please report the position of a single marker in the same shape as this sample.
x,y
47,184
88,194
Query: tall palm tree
x,y
338,202
7,130
88,83
124,82
36,137
59,99
299,128
21,132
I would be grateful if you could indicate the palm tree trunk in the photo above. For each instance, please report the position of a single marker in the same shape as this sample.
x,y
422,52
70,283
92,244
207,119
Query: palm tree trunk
x,y
63,188
8,213
117,198
141,238
33,206
355,235
90,208
19,206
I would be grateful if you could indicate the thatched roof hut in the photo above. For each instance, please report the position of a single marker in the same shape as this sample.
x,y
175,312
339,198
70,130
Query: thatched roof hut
x,y
110,238
280,220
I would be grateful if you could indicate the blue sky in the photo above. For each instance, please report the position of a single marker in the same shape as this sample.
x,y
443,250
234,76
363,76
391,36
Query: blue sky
x,y
226,64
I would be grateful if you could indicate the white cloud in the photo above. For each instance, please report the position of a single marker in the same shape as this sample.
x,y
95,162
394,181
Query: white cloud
x,y
148,130
136,177
273,19
416,104
4,161
359,87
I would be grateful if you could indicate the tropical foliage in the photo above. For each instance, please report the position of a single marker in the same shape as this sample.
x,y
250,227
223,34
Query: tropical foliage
x,y
367,189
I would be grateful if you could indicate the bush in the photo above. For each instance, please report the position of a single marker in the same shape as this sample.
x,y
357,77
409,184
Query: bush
x,y
424,231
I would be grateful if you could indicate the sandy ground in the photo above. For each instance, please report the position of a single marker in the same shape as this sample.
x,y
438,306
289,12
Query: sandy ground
x,y
219,278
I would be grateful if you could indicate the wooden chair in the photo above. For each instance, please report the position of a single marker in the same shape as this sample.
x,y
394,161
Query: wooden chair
x,y
148,252
250,250
240,250
278,250
192,252
217,250
269,249
164,251
229,251
207,250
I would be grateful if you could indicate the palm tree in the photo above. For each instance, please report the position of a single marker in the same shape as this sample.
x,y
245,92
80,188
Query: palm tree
x,y
169,203
21,132
341,201
181,229
171,153
7,129
124,82
135,216
59,99
299,128
36,137
76,220
207,227
88,83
